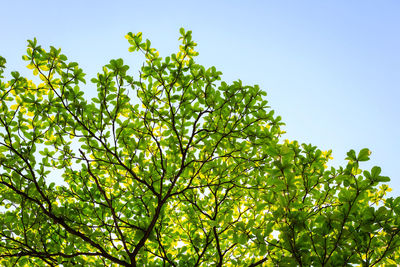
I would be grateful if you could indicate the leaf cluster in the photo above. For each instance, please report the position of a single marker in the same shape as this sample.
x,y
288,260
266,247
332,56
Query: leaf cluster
x,y
190,171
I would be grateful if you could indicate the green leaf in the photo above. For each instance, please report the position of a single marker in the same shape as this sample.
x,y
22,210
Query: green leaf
x,y
375,171
351,155
364,154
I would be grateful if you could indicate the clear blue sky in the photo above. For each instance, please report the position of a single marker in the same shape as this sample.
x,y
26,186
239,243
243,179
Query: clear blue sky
x,y
331,68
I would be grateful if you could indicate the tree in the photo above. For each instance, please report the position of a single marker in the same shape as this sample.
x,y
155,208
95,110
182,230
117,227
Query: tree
x,y
190,172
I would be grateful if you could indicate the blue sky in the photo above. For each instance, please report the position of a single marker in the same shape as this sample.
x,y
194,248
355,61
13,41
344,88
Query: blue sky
x,y
331,69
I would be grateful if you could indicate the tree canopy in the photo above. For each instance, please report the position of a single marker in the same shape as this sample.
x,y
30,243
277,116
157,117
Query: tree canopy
x,y
173,168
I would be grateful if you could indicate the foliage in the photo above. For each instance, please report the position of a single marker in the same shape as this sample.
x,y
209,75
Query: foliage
x,y
190,172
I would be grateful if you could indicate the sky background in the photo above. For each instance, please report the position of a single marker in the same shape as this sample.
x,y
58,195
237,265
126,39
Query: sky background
x,y
331,69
